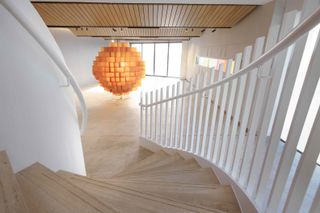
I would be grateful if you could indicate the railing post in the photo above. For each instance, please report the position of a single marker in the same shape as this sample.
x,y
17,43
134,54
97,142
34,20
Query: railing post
x,y
166,118
146,116
207,115
215,111
171,128
176,122
156,117
141,114
216,143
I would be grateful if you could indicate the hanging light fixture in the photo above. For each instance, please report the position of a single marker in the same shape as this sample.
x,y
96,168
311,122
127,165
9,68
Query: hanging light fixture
x,y
119,68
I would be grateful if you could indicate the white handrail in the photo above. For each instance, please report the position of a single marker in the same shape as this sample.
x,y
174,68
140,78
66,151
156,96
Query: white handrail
x,y
10,7
296,33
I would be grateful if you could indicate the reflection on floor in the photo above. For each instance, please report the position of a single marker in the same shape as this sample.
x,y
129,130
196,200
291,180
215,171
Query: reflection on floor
x,y
110,141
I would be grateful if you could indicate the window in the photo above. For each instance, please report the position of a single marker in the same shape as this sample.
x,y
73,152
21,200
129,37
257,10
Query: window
x,y
148,57
175,52
161,59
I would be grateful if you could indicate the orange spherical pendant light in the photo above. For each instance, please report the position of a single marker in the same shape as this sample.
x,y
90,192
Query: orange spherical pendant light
x,y
119,68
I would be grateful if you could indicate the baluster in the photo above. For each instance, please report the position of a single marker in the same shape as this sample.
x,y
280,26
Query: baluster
x,y
315,207
182,110
160,117
231,99
207,114
257,110
141,114
146,116
151,115
306,166
305,100
175,138
194,117
215,111
187,143
279,68
205,83
248,92
166,118
156,117
216,146
172,117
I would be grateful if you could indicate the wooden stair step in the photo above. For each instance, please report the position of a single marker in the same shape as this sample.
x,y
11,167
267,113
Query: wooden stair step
x,y
154,161
202,176
11,197
129,200
213,197
178,165
45,191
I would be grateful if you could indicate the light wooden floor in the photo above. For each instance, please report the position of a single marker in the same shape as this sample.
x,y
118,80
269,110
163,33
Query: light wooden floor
x,y
110,142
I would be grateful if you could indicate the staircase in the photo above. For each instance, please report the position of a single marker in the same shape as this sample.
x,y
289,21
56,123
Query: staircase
x,y
159,183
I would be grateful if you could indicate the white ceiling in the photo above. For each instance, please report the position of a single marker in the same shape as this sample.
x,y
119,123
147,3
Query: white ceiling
x,y
251,2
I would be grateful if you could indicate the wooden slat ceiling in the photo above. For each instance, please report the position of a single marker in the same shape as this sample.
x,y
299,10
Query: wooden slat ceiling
x,y
99,19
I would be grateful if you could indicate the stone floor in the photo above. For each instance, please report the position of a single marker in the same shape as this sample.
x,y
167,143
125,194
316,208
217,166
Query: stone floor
x,y
110,142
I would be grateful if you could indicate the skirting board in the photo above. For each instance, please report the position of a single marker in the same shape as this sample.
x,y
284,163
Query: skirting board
x,y
245,204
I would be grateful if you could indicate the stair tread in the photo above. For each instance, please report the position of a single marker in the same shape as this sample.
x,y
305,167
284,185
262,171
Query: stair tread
x,y
126,199
203,176
214,197
156,160
45,191
178,165
11,197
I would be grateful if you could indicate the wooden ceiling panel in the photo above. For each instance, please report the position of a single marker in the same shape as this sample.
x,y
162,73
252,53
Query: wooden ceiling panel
x,y
69,14
136,32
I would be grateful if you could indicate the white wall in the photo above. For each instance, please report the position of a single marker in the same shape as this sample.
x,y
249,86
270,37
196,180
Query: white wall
x,y
225,43
38,120
79,53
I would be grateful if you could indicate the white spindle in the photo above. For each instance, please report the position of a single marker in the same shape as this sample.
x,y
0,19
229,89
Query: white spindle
x,y
305,168
141,114
194,115
315,207
223,104
233,96
244,108
257,110
215,110
306,95
202,100
207,115
283,169
176,115
187,141
146,116
183,111
156,127
166,118
171,127
279,69
151,115
160,118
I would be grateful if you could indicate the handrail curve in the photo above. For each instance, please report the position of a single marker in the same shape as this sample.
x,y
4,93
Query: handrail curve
x,y
11,8
304,27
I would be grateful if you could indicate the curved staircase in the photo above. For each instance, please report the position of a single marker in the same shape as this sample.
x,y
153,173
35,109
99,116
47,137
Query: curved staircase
x,y
159,183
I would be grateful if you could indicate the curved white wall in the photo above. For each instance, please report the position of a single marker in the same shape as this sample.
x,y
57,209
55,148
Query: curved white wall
x,y
79,53
38,120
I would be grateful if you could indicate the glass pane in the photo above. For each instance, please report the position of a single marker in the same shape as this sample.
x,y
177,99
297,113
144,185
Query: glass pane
x,y
161,59
175,59
137,46
148,51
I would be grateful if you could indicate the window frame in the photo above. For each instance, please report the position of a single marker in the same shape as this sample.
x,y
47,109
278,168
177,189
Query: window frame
x,y
154,56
